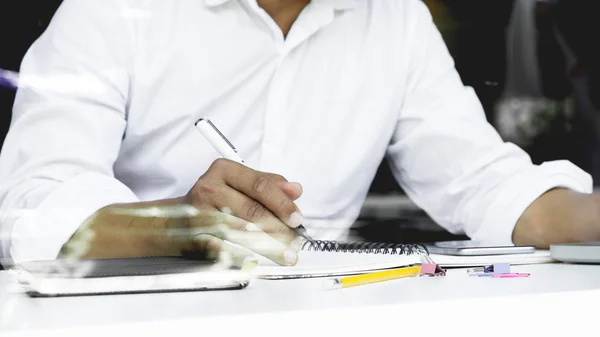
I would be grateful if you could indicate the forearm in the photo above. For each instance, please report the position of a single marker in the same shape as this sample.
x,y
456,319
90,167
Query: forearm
x,y
559,216
122,230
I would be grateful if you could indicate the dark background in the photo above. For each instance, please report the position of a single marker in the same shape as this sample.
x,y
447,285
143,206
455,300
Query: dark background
x,y
568,68
476,34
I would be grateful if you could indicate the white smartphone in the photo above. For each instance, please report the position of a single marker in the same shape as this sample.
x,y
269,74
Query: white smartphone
x,y
473,248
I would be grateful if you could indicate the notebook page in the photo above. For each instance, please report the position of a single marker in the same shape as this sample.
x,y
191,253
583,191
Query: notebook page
x,y
324,264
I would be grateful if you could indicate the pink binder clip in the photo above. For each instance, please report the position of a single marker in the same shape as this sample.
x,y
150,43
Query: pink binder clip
x,y
430,268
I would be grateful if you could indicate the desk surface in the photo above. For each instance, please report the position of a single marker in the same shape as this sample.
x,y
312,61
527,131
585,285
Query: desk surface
x,y
21,313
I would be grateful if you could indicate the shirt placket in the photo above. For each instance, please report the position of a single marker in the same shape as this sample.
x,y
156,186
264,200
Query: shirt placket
x,y
308,23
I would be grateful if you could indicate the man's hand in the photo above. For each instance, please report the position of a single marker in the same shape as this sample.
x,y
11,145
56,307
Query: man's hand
x,y
231,202
559,216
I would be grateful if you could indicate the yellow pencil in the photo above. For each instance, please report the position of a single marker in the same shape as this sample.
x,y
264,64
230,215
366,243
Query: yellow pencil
x,y
379,276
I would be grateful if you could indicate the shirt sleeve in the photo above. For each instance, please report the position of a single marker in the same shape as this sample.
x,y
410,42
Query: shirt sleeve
x,y
451,162
56,166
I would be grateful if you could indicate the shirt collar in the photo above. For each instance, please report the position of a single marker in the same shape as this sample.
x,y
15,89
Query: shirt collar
x,y
336,4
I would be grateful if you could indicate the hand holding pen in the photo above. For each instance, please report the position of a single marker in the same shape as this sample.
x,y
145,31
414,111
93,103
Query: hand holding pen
x,y
230,202
229,213
261,205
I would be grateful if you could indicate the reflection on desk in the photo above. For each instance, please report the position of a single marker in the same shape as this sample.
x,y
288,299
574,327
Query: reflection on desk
x,y
281,302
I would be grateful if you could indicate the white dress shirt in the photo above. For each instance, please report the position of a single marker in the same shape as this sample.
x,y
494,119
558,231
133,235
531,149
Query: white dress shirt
x,y
112,89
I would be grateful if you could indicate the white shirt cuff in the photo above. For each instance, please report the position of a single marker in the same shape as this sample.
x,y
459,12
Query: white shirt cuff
x,y
521,191
40,234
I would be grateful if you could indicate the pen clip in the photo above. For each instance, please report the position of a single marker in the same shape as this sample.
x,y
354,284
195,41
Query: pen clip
x,y
218,132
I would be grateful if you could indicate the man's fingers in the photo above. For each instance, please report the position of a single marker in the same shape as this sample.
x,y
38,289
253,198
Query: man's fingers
x,y
292,190
275,247
242,233
223,252
259,209
233,202
262,187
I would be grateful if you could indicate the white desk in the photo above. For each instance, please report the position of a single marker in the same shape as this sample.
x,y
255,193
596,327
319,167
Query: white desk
x,y
451,301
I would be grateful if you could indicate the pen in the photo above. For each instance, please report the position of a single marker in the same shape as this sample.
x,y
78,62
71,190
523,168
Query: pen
x,y
228,151
499,268
508,275
513,275
379,276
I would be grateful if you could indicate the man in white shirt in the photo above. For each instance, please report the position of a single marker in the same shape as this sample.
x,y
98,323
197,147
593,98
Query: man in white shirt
x,y
102,158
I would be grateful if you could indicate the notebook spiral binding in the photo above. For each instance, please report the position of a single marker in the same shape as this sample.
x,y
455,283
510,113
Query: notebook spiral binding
x,y
365,247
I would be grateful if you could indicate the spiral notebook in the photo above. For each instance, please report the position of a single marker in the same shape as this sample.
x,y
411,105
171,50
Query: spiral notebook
x,y
332,258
